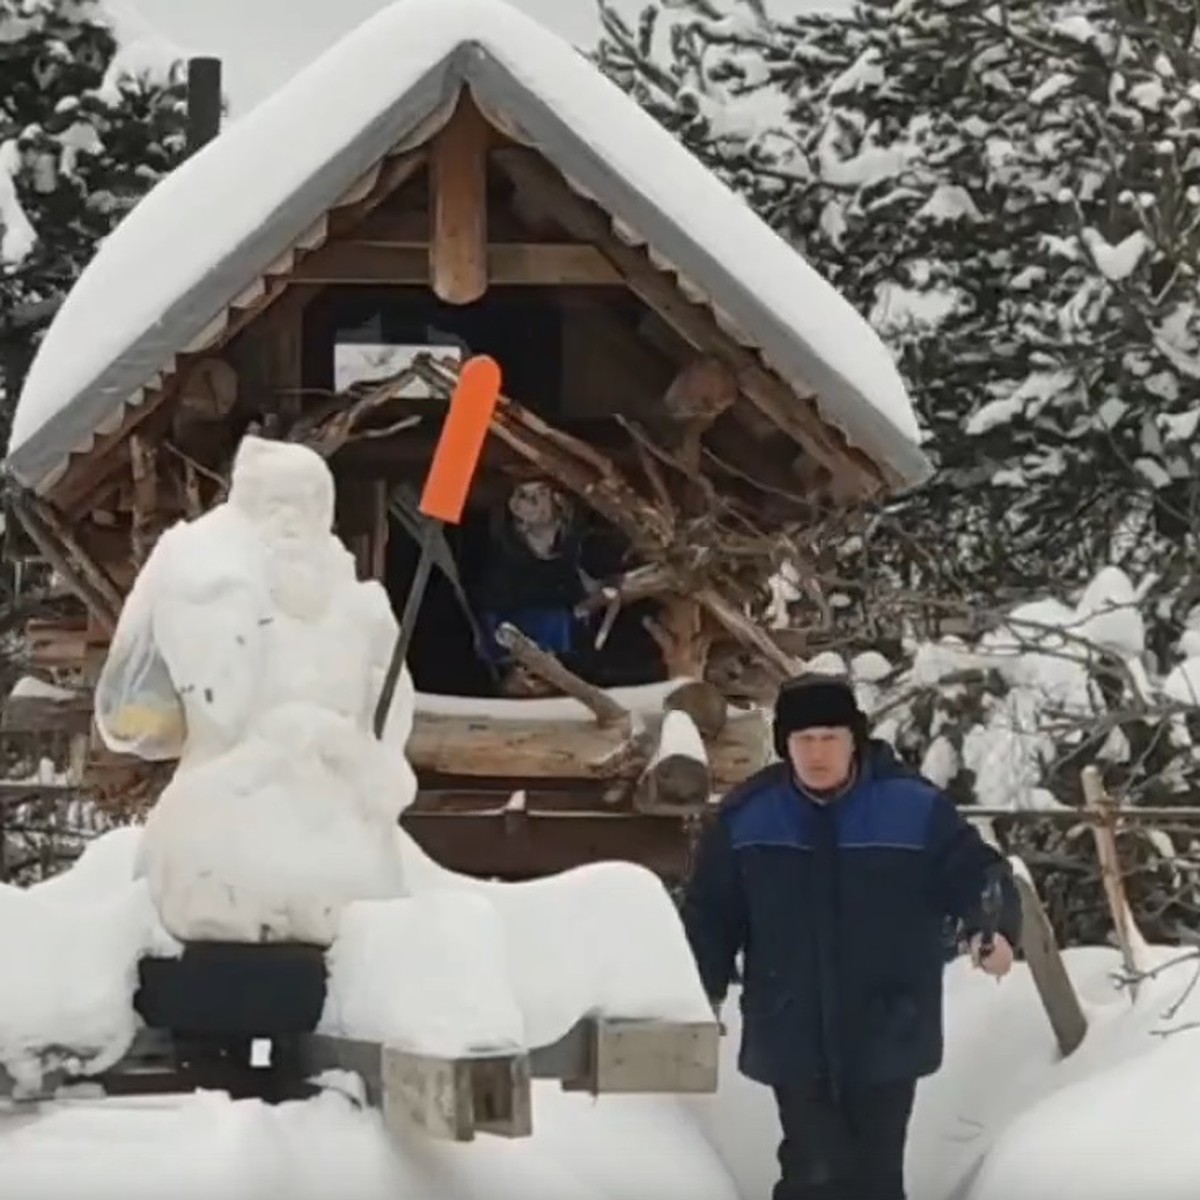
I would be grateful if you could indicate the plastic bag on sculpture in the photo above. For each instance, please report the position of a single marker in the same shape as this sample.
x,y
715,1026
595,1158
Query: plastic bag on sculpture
x,y
138,709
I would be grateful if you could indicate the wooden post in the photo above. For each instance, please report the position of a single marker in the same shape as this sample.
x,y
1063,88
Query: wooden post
x,y
1049,972
1104,832
677,778
1040,949
203,101
631,1057
379,529
452,1099
143,461
458,237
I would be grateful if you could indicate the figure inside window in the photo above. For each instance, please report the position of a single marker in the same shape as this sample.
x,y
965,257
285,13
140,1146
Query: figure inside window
x,y
532,578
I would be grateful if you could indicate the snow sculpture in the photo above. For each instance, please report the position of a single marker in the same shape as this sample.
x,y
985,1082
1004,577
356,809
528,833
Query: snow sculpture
x,y
249,648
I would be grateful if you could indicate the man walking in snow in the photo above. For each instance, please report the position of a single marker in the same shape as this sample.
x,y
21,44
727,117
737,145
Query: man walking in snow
x,y
832,873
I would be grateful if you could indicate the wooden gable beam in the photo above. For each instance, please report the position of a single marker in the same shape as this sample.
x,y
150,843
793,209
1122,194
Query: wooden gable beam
x,y
88,470
458,234
795,415
394,175
352,262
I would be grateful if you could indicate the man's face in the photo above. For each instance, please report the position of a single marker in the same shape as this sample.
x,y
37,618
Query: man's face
x,y
532,502
822,756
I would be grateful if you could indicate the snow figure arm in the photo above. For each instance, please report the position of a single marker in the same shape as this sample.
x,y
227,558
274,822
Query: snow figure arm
x,y
138,709
210,609
962,863
714,911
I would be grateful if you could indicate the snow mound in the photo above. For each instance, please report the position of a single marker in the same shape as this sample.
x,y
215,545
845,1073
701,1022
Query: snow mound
x,y
70,949
204,1146
1066,1133
1006,1117
571,947
426,974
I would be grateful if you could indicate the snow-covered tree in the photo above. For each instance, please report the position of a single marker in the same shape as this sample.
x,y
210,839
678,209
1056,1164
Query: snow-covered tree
x,y
86,128
740,90
1009,192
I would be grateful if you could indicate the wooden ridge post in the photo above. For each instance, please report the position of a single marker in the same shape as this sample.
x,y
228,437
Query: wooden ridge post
x,y
458,237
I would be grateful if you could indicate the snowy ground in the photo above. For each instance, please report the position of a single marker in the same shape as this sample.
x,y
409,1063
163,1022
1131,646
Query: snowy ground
x,y
1004,1118
1050,1131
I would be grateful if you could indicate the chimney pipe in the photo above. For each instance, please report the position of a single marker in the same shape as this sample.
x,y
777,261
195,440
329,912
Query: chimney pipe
x,y
203,101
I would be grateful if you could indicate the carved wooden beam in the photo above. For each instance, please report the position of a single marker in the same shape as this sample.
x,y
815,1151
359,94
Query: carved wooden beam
x,y
364,262
458,235
410,221
796,415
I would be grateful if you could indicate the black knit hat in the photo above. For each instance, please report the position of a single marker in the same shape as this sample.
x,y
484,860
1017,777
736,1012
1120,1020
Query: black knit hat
x,y
812,701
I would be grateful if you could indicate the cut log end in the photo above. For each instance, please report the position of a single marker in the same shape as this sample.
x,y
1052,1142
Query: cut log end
x,y
674,785
704,703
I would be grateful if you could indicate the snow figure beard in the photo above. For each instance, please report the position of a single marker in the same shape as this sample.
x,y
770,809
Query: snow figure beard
x,y
301,578
286,491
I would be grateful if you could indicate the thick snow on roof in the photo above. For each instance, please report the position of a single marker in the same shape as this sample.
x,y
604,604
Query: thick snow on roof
x,y
217,222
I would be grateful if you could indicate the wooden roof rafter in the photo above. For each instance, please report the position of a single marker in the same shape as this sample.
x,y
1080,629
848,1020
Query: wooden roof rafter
x,y
793,413
89,469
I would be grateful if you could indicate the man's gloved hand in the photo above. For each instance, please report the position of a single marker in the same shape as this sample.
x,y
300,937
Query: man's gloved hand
x,y
998,961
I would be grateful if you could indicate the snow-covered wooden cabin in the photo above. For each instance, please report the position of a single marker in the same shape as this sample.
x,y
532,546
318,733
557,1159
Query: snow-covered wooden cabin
x,y
451,177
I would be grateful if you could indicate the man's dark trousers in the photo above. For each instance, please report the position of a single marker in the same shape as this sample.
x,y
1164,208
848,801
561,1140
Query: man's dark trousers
x,y
849,1150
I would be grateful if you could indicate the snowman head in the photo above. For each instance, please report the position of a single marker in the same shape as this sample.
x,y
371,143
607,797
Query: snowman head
x,y
285,489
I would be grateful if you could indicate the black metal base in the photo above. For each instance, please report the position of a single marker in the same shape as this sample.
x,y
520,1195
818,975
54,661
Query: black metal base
x,y
219,998
234,990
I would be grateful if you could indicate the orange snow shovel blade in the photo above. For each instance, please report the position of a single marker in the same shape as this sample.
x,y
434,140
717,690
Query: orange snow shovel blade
x,y
461,444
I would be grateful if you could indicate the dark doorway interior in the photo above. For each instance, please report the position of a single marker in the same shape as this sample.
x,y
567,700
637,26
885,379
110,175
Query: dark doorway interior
x,y
523,329
444,659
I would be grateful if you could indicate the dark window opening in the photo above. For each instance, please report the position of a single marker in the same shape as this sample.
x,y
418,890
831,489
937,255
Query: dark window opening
x,y
520,327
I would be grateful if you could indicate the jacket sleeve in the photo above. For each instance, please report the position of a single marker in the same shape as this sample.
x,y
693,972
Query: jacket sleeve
x,y
714,910
962,863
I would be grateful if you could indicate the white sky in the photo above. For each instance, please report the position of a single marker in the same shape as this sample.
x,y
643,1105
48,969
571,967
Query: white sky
x,y
263,42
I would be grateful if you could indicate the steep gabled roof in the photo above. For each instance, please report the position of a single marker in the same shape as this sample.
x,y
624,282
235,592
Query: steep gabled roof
x,y
221,219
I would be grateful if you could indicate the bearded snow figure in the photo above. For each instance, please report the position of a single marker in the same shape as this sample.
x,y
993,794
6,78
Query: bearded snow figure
x,y
249,648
